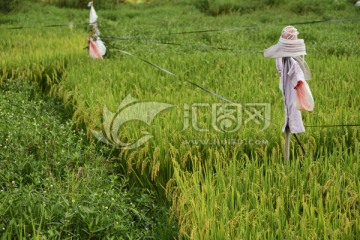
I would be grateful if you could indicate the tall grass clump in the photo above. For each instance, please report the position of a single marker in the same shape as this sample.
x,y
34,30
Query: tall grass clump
x,y
54,184
218,7
262,198
7,5
83,3
34,53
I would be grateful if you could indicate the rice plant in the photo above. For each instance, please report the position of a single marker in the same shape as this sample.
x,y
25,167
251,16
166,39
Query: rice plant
x,y
222,184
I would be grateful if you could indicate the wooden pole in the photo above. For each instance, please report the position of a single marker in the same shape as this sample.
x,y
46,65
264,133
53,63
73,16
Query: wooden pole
x,y
287,144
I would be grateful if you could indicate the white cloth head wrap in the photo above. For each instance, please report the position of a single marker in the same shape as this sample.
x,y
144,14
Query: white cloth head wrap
x,y
289,46
286,48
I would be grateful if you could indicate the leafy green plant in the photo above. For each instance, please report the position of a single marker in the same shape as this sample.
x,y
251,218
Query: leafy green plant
x,y
55,185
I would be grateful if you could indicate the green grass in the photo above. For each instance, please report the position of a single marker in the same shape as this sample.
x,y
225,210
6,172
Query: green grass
x,y
218,191
55,185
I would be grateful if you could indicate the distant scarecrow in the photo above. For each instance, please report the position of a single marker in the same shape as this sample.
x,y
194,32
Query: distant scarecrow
x,y
293,70
96,47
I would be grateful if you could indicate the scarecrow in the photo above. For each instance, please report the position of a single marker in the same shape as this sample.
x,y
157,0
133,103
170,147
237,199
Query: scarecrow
x,y
96,47
294,72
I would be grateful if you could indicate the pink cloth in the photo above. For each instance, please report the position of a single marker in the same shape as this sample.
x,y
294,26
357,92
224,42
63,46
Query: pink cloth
x,y
305,100
93,50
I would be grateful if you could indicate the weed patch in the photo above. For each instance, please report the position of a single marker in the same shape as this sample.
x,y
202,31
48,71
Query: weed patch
x,y
55,185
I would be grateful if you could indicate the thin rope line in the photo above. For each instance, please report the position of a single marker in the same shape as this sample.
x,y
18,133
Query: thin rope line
x,y
298,141
219,96
173,74
201,46
334,125
197,31
322,21
235,28
323,126
49,26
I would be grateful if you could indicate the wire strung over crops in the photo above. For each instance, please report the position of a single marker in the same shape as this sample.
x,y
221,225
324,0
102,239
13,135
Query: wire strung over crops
x,y
240,28
208,47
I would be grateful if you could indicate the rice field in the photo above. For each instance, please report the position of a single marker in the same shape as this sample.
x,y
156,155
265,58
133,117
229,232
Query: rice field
x,y
224,175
